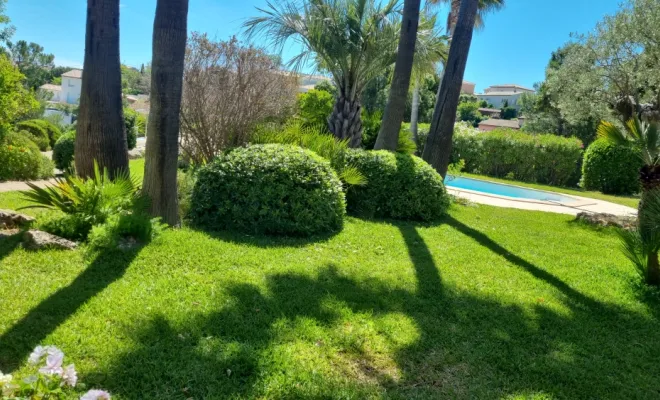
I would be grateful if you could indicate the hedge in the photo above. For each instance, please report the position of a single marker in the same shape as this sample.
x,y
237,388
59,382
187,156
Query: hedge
x,y
507,153
270,188
611,168
399,186
41,129
20,159
63,151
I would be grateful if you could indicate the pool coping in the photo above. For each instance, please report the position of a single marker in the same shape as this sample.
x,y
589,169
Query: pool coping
x,y
579,202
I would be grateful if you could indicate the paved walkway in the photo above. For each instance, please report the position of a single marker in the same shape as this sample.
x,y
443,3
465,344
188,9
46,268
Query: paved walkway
x,y
582,204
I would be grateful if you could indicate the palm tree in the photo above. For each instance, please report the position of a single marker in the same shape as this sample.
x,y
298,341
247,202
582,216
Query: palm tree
x,y
169,49
438,145
646,138
101,135
430,48
352,39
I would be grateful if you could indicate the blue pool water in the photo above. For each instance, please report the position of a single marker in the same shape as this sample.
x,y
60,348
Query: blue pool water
x,y
505,190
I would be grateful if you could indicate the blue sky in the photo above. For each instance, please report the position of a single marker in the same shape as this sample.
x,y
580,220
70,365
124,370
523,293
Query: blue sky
x,y
514,46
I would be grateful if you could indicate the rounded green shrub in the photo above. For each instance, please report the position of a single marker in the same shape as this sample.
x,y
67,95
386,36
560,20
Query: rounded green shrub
x,y
53,131
20,159
63,150
271,188
399,186
130,122
611,169
36,132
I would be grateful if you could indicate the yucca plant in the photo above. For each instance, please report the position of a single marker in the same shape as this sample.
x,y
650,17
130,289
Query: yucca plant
x,y
91,200
317,139
642,245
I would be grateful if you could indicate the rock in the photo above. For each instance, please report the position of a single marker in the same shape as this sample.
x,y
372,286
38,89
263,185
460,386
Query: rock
x,y
601,219
136,153
11,219
39,240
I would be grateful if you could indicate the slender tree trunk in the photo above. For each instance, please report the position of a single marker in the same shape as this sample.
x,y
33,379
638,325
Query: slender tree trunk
x,y
169,49
437,151
452,18
414,114
101,134
345,121
650,178
388,137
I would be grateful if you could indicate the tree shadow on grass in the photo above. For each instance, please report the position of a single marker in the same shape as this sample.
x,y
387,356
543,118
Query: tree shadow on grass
x,y
19,340
265,240
9,243
324,337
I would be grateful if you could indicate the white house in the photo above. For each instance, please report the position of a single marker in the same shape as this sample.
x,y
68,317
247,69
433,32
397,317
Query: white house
x,y
499,95
69,92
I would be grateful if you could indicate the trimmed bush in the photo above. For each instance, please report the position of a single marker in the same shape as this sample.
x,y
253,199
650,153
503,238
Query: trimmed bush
x,y
611,169
130,121
547,159
35,132
63,150
399,186
20,159
271,188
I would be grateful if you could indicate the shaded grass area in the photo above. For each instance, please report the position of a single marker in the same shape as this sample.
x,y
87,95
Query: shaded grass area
x,y
629,201
490,303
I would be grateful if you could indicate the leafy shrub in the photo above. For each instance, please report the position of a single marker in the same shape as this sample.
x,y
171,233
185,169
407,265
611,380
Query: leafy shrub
x,y
398,186
20,159
469,112
36,132
548,159
63,151
370,127
271,188
130,121
508,113
135,226
69,226
314,107
611,168
422,135
185,184
92,200
141,125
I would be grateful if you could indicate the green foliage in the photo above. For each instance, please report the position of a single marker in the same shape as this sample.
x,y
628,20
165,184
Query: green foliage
x,y
20,159
45,133
315,107
92,200
545,159
32,62
508,113
127,228
69,226
422,135
135,81
15,100
399,186
611,168
272,188
185,184
63,151
326,86
469,112
130,121
406,145
141,125
370,127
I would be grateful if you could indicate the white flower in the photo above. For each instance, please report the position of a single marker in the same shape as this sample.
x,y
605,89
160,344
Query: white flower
x,y
70,376
5,379
37,354
95,394
53,362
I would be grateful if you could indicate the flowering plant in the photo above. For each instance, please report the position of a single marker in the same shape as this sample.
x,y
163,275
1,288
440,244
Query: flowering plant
x,y
52,381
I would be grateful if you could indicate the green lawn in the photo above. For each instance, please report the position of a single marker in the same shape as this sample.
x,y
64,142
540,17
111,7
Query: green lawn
x,y
630,201
490,303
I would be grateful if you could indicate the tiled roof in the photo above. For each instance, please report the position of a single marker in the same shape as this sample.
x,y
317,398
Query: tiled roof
x,y
511,85
74,73
499,94
504,123
49,86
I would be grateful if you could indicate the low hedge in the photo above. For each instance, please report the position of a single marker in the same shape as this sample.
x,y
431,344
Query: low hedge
x,y
399,186
507,153
270,188
130,122
611,169
42,130
20,159
63,151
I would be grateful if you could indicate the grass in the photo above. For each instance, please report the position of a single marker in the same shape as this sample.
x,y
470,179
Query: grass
x,y
489,303
629,201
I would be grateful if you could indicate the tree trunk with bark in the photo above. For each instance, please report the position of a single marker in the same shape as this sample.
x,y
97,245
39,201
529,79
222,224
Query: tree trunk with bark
x,y
345,121
169,49
437,151
452,18
650,179
101,134
388,137
414,114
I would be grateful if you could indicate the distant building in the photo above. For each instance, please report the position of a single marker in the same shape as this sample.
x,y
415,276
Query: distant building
x,y
500,95
490,112
69,91
491,124
468,87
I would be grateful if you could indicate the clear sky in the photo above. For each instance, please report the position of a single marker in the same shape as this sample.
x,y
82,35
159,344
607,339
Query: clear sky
x,y
514,46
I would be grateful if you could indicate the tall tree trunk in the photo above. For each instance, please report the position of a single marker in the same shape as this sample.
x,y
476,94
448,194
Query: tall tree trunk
x,y
388,137
169,49
650,180
452,18
101,134
414,114
438,146
345,122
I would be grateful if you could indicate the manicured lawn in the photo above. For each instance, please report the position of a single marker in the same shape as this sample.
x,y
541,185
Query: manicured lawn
x,y
630,201
490,303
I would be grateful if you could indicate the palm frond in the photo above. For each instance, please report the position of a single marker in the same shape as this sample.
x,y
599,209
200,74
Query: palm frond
x,y
610,132
352,176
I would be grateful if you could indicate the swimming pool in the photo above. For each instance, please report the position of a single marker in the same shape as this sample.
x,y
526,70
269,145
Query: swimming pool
x,y
500,189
